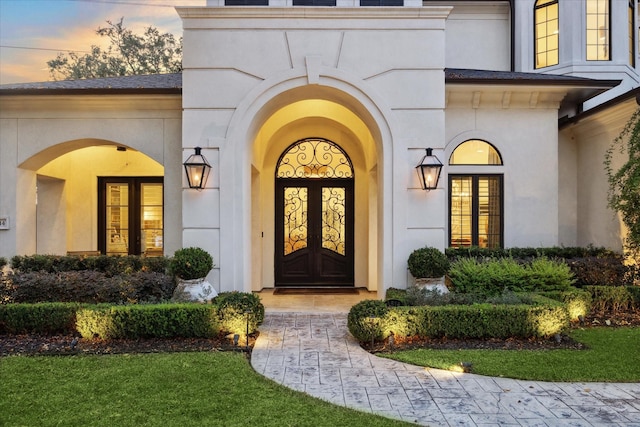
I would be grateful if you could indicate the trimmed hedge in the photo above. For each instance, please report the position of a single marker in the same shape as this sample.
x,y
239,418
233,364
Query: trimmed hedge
x,y
577,301
226,315
528,253
110,265
46,318
146,321
86,286
372,320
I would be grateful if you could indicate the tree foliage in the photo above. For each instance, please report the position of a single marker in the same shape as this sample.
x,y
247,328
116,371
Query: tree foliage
x,y
127,54
624,183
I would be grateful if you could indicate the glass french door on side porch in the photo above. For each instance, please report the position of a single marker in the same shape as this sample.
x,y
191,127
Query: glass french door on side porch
x,y
130,215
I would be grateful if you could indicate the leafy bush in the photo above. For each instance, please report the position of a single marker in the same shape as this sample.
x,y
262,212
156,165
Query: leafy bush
x,y
3,262
45,318
591,266
110,265
147,321
372,320
612,299
428,262
366,320
634,291
237,309
191,263
493,276
609,271
87,286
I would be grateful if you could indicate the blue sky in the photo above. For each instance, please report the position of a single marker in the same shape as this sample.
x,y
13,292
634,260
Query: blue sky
x,y
33,31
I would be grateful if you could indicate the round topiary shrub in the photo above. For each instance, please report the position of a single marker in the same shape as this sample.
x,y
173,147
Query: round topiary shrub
x,y
237,310
366,320
191,263
428,262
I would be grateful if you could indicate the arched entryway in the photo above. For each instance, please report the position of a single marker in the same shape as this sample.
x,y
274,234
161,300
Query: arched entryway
x,y
340,129
314,215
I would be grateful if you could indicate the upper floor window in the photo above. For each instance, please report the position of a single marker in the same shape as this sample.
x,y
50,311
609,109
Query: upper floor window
x,y
314,2
546,23
381,2
246,2
475,152
598,30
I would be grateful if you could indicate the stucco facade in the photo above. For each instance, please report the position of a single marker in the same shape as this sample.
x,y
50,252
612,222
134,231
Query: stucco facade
x,y
381,83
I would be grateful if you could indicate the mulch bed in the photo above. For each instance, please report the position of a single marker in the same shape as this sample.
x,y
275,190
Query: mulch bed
x,y
29,345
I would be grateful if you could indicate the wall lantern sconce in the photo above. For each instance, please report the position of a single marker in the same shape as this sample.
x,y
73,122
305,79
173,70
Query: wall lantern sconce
x,y
197,168
429,170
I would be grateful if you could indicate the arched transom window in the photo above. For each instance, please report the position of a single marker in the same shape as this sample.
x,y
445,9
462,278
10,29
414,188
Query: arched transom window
x,y
475,152
314,158
475,199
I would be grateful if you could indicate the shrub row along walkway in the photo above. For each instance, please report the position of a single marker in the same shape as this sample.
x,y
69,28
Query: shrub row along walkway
x,y
316,354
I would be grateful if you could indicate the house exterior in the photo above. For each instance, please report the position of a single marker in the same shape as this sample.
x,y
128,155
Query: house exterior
x,y
313,116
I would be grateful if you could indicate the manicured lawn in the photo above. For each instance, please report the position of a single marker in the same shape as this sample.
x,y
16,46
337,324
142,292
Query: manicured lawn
x,y
171,389
613,355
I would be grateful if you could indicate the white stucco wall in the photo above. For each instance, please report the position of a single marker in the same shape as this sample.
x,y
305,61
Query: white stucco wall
x,y
596,224
385,65
478,35
525,133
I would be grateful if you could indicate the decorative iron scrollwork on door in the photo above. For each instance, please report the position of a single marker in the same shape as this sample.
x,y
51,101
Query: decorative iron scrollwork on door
x,y
314,158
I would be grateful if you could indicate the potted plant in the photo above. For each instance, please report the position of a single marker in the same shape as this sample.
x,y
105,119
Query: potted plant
x,y
428,266
190,266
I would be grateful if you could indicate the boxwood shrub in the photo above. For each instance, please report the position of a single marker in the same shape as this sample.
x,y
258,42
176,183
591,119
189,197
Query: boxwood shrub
x,y
373,320
44,318
235,309
577,301
366,320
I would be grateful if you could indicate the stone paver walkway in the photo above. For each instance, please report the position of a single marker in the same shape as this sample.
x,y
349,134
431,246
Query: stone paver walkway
x,y
316,354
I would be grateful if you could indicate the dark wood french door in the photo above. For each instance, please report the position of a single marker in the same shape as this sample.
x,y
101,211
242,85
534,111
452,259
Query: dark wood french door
x,y
130,216
314,232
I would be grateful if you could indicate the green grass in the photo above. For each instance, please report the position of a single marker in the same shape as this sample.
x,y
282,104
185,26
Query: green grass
x,y
613,355
171,389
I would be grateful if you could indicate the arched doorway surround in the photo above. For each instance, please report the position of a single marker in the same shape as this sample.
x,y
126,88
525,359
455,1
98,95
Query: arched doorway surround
x,y
345,113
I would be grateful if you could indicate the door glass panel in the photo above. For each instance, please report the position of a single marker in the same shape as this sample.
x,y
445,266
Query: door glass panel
x,y
151,219
295,219
461,211
117,219
333,219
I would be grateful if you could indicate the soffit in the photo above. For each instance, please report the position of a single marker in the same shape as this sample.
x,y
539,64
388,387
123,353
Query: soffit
x,y
86,104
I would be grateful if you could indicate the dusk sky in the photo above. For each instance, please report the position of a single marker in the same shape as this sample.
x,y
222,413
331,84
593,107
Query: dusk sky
x,y
33,31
